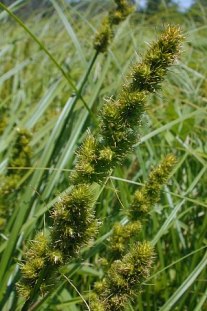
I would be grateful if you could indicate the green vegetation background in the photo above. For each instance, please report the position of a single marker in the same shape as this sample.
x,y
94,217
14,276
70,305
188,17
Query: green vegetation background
x,y
34,95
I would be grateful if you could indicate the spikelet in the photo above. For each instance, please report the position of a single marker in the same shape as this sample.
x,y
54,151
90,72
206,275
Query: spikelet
x,y
149,194
115,17
123,279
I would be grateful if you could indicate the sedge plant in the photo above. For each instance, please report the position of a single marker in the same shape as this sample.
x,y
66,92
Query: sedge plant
x,y
74,222
36,95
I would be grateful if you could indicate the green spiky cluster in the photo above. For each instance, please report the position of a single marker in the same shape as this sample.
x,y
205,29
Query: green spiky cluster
x,y
73,218
122,236
115,17
74,225
74,222
121,118
113,292
147,75
149,194
35,261
123,279
20,157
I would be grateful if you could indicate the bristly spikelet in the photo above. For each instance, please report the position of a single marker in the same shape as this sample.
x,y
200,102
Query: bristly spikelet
x,y
35,261
24,289
31,269
121,12
106,154
120,120
149,194
74,222
39,245
74,226
124,277
86,160
115,17
160,174
147,75
122,237
132,106
103,37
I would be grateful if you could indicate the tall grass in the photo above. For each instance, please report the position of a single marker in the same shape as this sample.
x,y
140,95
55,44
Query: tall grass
x,y
40,78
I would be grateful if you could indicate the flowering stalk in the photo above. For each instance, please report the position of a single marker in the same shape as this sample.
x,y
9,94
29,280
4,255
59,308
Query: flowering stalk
x,y
149,194
73,217
74,225
120,119
115,17
122,278
143,201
